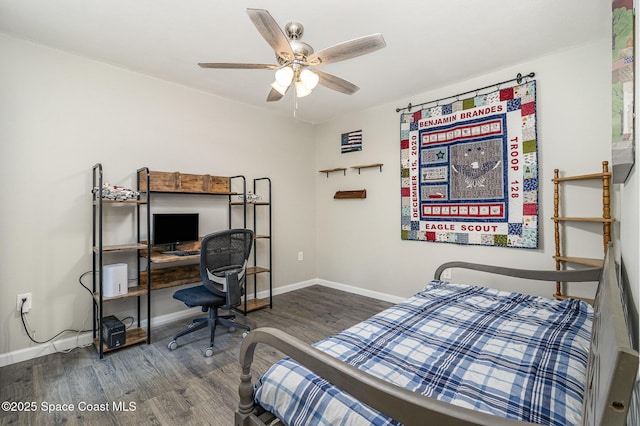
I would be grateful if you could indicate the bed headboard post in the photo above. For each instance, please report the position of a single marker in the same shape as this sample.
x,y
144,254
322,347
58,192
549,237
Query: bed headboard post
x,y
612,364
243,416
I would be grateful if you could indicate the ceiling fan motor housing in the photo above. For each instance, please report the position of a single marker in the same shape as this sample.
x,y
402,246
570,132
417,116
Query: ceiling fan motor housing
x,y
300,51
294,30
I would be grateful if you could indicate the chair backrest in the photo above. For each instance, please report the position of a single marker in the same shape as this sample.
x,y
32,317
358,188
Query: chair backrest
x,y
223,254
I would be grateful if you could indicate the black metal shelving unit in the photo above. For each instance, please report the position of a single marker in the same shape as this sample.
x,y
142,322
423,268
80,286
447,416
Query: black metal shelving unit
x,y
262,262
137,334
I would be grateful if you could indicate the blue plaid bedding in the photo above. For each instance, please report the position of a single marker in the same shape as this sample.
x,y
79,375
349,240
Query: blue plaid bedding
x,y
508,354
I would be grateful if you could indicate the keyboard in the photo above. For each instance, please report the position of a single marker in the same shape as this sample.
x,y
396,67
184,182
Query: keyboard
x,y
183,252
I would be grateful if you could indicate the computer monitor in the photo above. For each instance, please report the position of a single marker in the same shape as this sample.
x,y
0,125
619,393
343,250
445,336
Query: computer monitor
x,y
174,228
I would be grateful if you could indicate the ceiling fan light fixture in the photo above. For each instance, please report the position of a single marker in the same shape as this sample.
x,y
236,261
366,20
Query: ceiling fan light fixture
x,y
301,89
309,79
279,87
284,76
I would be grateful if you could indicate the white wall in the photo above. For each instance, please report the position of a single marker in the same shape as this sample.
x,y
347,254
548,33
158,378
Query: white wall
x,y
629,211
359,240
60,114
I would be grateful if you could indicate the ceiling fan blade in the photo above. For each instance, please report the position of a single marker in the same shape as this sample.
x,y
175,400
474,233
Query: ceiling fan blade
x,y
336,83
271,32
238,66
347,50
274,95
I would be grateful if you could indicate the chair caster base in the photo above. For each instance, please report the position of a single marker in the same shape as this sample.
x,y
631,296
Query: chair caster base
x,y
172,345
208,352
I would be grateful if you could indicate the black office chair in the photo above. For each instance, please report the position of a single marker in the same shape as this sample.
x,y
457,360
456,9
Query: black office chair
x,y
223,264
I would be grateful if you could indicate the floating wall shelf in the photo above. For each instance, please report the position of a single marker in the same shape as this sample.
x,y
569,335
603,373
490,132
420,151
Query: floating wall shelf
x,y
344,170
358,193
366,166
337,169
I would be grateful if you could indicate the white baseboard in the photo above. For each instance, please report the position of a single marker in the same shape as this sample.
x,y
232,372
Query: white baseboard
x,y
60,345
285,289
362,291
84,339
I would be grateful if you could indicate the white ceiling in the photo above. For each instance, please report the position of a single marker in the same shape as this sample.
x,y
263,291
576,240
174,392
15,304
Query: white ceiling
x,y
430,43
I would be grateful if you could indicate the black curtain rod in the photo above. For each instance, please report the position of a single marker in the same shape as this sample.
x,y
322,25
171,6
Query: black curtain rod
x,y
518,78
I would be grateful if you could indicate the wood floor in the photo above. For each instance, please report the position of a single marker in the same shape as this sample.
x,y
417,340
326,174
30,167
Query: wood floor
x,y
161,387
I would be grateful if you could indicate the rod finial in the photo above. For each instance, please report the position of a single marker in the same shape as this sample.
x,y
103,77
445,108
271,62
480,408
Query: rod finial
x,y
520,77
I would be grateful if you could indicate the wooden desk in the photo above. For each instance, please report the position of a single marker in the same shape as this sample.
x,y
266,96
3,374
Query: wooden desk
x,y
172,276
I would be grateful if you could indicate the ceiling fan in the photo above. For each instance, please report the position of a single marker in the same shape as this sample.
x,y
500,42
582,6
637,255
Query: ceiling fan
x,y
295,58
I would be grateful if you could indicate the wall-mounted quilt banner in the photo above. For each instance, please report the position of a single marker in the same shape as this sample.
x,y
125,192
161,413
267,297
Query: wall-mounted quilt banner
x,y
470,170
622,102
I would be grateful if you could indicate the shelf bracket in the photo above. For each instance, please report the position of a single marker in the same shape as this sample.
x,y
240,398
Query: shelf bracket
x,y
337,169
366,166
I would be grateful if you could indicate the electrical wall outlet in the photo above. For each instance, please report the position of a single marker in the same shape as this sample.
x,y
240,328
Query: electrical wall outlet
x,y
27,304
300,255
446,274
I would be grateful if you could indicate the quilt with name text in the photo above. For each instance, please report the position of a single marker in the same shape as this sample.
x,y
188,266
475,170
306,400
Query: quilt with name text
x,y
470,170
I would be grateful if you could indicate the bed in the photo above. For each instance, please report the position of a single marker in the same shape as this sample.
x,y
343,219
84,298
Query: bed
x,y
457,354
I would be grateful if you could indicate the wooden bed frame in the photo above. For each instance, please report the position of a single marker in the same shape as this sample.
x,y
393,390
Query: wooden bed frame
x,y
611,370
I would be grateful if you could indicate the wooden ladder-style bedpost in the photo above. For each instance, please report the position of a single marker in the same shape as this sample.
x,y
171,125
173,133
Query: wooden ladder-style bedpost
x,y
556,224
605,219
606,205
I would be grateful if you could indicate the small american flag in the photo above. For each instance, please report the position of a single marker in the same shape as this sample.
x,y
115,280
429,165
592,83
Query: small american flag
x,y
351,141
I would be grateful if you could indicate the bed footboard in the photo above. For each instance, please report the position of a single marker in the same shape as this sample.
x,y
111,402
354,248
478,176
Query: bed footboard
x,y
398,403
